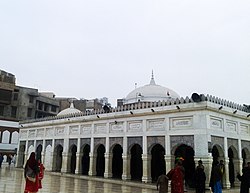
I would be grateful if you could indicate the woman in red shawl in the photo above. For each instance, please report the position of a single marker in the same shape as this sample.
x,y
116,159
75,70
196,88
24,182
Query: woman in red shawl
x,y
176,176
30,186
41,174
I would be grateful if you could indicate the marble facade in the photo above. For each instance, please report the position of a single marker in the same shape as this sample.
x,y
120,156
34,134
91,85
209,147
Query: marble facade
x,y
63,141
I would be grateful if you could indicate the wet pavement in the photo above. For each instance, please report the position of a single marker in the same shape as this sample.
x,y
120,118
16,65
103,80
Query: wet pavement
x,y
12,181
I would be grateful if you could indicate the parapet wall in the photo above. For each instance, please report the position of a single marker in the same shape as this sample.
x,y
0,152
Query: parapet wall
x,y
145,105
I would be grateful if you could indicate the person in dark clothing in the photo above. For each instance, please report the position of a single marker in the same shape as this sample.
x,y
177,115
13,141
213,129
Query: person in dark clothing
x,y
222,168
9,158
200,178
162,184
231,172
245,179
215,180
31,165
1,160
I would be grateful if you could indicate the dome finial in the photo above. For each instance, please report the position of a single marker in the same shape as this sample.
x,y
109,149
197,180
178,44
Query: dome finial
x,y
152,81
71,103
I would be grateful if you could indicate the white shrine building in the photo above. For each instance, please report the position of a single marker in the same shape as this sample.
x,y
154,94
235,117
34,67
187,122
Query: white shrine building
x,y
140,140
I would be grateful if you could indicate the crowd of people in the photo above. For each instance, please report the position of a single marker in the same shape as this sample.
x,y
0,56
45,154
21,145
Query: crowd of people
x,y
177,174
7,158
34,173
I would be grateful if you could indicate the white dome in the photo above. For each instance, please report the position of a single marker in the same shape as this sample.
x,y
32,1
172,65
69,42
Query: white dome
x,y
150,93
68,111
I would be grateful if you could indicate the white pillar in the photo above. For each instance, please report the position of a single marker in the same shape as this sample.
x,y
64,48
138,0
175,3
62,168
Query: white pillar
x,y
168,156
65,156
65,161
108,165
43,152
25,154
126,167
168,161
208,163
226,182
240,156
92,164
92,157
78,157
146,173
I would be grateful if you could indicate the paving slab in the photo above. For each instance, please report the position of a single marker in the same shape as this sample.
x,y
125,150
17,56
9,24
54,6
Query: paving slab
x,y
12,181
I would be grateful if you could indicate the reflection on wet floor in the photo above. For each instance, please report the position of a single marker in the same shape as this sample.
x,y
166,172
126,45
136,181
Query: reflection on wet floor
x,y
12,181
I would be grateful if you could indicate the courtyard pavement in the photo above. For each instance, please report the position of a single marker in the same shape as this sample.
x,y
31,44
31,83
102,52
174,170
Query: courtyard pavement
x,y
12,181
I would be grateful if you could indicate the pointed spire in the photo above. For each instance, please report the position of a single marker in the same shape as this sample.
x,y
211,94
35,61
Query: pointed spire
x,y
152,81
71,104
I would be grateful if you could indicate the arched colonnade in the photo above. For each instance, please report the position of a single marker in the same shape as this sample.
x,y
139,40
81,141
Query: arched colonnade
x,y
133,164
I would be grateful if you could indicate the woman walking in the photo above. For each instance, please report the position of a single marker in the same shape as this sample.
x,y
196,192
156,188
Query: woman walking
x,y
31,172
176,176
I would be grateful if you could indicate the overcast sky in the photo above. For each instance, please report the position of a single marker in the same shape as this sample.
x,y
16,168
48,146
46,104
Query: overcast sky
x,y
96,48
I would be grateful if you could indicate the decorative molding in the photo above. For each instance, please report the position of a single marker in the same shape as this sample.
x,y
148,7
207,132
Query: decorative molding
x,y
116,128
48,142
231,126
23,134
32,133
135,126
72,142
134,140
181,122
59,131
74,130
85,129
98,141
216,123
49,132
245,144
40,133
39,142
217,140
115,140
244,129
152,140
145,105
30,142
232,142
100,129
178,140
59,142
85,141
156,125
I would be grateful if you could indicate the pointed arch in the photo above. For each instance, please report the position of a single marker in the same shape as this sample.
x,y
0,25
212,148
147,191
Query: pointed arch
x,y
100,160
117,162
39,152
187,153
245,156
57,161
232,155
158,165
85,159
72,153
136,162
48,158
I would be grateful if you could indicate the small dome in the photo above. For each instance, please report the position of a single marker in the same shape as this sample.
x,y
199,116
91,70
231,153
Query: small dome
x,y
68,111
150,93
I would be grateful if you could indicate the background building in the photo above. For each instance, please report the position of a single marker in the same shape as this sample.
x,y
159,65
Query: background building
x,y
19,103
82,104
